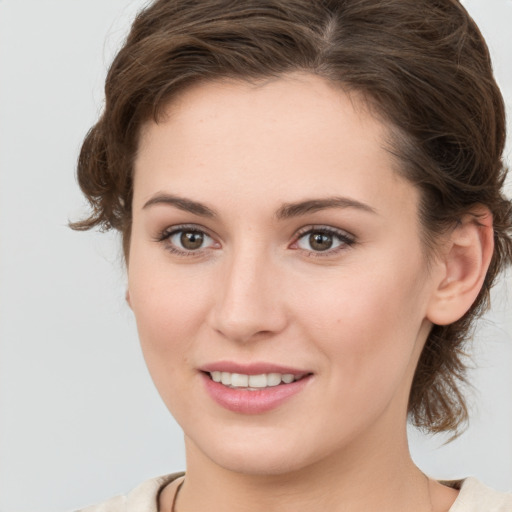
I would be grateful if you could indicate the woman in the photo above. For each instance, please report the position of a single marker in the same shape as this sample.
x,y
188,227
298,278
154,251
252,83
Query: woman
x,y
309,195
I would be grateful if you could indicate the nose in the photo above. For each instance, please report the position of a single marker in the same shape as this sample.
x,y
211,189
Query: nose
x,y
250,304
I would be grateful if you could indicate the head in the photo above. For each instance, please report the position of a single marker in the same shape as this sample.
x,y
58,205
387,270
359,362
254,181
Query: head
x,y
419,68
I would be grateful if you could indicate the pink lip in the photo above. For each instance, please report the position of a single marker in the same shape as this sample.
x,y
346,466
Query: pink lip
x,y
250,368
245,401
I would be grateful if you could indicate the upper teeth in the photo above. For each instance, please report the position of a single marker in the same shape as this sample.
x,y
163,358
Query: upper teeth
x,y
240,380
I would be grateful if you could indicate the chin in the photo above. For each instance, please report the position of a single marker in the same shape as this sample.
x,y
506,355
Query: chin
x,y
257,454
259,464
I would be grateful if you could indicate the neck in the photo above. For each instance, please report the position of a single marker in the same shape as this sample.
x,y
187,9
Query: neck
x,y
369,476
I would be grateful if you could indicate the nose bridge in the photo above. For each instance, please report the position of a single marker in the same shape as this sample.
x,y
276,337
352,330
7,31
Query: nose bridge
x,y
248,303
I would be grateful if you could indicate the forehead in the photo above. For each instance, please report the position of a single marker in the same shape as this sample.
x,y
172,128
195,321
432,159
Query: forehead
x,y
296,135
295,101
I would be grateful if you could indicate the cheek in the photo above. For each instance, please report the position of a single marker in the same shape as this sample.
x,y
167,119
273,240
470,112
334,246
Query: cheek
x,y
367,324
169,311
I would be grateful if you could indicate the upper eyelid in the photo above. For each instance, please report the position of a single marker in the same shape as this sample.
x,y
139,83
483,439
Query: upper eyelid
x,y
319,227
184,227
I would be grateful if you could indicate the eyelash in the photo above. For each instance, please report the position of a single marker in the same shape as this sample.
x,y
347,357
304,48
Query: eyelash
x,y
345,240
166,235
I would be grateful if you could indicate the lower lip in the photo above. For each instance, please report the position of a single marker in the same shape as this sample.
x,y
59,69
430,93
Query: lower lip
x,y
253,402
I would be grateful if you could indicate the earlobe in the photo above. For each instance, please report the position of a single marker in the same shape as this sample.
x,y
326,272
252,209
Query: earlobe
x,y
127,297
463,265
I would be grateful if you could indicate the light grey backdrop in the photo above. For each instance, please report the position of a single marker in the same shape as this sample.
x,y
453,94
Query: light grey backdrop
x,y
80,420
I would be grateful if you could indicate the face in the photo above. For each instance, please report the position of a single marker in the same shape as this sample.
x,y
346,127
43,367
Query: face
x,y
275,248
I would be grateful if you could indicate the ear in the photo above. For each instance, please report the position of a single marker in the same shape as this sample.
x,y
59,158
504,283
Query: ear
x,y
127,297
462,267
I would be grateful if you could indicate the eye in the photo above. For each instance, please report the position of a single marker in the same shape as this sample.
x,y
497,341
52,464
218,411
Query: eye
x,y
324,239
186,240
189,240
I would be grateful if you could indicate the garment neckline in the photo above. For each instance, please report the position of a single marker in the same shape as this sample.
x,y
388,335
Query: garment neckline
x,y
151,490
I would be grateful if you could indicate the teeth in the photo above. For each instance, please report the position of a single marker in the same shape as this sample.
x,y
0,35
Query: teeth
x,y
263,380
257,381
287,378
273,379
239,381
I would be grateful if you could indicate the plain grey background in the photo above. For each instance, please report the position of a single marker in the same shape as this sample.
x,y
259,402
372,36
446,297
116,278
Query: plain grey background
x,y
80,419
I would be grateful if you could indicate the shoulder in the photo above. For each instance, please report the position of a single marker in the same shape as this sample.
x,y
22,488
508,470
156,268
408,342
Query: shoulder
x,y
118,503
474,496
144,498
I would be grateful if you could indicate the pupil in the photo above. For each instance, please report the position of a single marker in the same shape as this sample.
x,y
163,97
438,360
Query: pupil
x,y
320,241
191,240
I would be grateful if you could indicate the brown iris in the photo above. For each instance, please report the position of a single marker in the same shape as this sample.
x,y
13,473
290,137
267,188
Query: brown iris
x,y
320,241
191,240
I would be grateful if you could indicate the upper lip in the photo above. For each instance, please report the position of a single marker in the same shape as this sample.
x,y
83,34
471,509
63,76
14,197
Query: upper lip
x,y
256,368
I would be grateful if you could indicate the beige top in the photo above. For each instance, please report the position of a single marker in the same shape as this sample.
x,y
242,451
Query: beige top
x,y
474,496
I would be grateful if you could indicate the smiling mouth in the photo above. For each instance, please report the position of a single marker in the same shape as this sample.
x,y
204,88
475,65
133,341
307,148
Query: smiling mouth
x,y
253,382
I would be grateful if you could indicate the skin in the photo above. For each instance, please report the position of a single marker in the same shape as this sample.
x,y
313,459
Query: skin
x,y
355,317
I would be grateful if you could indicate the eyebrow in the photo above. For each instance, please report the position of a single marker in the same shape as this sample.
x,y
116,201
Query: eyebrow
x,y
182,203
313,205
286,211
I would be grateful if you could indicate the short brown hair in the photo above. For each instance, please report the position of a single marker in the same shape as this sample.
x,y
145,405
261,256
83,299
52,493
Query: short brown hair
x,y
423,67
